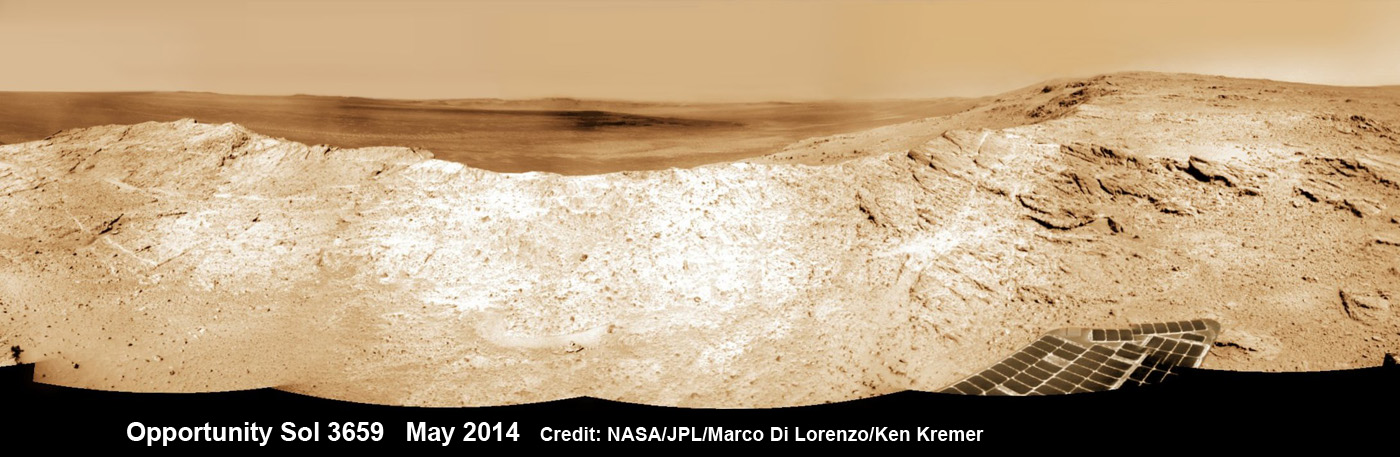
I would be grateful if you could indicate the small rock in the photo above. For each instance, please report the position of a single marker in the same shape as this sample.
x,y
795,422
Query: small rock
x,y
1366,308
1310,194
1209,171
1175,207
1238,343
1114,225
1390,360
1362,207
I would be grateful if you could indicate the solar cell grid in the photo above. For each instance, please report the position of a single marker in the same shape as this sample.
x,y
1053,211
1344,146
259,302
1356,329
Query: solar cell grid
x,y
1076,360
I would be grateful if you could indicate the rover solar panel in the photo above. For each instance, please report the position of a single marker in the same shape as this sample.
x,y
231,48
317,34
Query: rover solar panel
x,y
1074,360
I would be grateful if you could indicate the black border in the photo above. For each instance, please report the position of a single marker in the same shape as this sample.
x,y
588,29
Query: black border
x,y
1335,408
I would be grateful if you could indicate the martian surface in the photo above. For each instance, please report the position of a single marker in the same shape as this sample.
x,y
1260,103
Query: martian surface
x,y
456,253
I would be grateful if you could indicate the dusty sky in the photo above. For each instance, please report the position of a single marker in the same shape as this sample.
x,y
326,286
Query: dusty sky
x,y
678,50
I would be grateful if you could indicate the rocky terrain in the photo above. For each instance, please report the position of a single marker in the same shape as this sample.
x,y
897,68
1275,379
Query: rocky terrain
x,y
185,256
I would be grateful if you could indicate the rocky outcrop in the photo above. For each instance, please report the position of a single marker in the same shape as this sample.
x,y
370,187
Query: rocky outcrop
x,y
1323,191
1056,213
1368,307
1068,97
1210,171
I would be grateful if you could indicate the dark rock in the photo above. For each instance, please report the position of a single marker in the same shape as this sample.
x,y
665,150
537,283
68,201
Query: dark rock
x,y
1115,226
1310,194
1210,171
1361,207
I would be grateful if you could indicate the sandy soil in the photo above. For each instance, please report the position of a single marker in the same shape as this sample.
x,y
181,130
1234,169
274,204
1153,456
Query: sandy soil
x,y
185,256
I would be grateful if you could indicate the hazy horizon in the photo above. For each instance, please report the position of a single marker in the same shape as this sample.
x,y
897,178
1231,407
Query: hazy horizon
x,y
683,51
678,101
